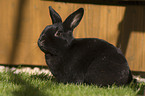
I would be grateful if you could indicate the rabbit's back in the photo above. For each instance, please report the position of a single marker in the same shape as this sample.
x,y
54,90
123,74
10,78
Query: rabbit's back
x,y
100,62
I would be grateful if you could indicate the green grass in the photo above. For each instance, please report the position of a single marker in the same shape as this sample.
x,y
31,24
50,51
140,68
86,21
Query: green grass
x,y
23,84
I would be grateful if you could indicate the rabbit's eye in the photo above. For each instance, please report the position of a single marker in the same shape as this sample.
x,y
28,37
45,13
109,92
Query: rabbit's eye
x,y
58,33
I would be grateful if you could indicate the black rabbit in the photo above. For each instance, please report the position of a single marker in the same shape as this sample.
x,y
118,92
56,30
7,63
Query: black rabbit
x,y
85,60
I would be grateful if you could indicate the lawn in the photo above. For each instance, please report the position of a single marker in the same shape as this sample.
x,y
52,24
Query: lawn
x,y
24,84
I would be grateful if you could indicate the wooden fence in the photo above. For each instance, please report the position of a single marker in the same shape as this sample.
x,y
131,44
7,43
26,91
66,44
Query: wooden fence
x,y
22,21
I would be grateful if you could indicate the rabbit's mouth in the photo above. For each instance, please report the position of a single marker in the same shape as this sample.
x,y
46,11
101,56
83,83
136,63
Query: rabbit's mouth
x,y
41,45
45,49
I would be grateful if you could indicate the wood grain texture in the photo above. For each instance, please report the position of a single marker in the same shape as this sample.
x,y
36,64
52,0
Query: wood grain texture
x,y
22,21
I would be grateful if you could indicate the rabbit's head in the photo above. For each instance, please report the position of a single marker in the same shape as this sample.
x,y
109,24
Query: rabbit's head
x,y
59,34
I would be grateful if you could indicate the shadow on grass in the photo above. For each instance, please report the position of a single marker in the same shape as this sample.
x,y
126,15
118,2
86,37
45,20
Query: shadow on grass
x,y
138,87
27,88
43,77
142,90
134,85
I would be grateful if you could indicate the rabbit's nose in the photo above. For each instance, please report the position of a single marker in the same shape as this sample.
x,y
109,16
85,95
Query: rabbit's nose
x,y
41,37
40,42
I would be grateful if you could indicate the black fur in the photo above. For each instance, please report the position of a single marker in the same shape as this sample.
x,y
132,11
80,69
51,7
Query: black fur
x,y
88,60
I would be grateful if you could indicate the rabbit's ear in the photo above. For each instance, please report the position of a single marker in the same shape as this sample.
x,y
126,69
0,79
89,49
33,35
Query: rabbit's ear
x,y
74,19
54,15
